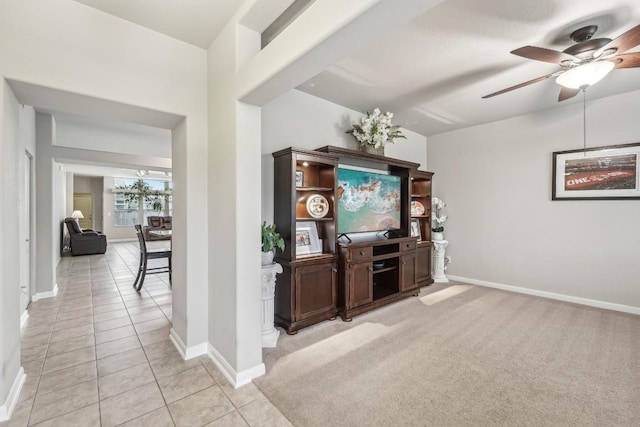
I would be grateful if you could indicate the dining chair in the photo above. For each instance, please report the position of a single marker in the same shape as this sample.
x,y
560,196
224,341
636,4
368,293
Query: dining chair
x,y
145,255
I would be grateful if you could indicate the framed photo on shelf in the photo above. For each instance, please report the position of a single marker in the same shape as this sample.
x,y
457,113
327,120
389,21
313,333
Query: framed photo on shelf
x,y
415,229
307,242
299,178
599,173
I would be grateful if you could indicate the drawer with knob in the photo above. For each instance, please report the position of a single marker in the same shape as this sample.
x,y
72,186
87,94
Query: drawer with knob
x,y
357,254
408,246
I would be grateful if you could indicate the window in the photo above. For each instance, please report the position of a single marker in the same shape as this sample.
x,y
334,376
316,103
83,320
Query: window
x,y
127,209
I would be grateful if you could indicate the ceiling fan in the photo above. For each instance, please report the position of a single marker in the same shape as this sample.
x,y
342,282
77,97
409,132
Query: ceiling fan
x,y
584,63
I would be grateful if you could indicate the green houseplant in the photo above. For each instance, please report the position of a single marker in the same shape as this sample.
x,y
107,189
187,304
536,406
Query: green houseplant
x,y
140,191
271,240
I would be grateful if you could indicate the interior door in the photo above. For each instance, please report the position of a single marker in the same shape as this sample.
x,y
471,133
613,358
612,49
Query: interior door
x,y
83,202
25,236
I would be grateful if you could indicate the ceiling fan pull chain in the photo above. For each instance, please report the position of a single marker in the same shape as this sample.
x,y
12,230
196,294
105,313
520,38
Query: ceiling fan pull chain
x,y
584,119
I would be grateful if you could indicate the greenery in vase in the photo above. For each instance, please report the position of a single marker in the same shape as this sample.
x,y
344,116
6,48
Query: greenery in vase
x,y
271,239
439,217
376,129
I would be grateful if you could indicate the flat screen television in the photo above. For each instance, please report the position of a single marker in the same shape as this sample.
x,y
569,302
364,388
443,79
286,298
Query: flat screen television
x,y
367,201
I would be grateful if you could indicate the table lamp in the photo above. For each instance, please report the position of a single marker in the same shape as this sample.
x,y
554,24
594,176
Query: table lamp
x,y
77,215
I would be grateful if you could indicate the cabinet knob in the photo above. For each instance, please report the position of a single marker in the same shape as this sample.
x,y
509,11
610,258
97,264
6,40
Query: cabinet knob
x,y
362,253
335,270
370,268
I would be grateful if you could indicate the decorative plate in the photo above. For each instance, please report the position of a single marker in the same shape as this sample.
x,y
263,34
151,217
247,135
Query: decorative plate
x,y
417,208
317,206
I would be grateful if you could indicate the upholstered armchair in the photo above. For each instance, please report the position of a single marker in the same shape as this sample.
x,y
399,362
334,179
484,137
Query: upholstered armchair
x,y
85,242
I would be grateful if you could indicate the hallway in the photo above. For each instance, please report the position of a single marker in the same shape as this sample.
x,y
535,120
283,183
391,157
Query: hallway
x,y
99,354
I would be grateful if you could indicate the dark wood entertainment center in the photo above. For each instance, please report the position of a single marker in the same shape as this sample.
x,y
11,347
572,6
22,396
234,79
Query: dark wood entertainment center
x,y
329,275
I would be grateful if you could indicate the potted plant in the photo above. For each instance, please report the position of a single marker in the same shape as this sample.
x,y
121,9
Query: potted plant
x,y
439,218
376,131
271,240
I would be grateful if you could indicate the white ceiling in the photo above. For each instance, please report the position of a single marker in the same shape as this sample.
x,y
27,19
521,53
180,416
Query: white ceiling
x,y
196,22
433,73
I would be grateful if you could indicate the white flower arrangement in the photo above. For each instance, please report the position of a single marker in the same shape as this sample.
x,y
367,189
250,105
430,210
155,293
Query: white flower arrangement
x,y
376,129
438,218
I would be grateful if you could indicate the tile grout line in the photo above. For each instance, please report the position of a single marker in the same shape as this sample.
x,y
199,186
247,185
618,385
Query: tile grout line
x,y
35,395
145,355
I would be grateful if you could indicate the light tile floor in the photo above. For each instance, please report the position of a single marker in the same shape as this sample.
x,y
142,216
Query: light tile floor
x,y
99,354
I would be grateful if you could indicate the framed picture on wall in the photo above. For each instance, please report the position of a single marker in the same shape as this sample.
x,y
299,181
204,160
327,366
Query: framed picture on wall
x,y
415,229
299,178
599,173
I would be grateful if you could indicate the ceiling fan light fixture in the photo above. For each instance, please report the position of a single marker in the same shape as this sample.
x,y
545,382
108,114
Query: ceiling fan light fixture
x,y
585,74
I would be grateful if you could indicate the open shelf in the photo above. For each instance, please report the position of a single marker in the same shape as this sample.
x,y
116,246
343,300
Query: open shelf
x,y
382,270
314,189
380,292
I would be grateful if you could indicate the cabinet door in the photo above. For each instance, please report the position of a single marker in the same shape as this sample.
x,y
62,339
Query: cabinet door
x,y
316,290
423,264
407,272
360,284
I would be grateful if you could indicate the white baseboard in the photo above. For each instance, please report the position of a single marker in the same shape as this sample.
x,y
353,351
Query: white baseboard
x,y
121,240
187,352
6,409
43,295
550,295
237,379
23,318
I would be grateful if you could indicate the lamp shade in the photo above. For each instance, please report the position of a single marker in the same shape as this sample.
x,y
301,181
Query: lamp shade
x,y
77,214
585,75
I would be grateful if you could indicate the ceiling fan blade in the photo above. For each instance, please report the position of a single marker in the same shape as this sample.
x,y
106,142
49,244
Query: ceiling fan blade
x,y
566,93
627,60
544,55
518,86
623,42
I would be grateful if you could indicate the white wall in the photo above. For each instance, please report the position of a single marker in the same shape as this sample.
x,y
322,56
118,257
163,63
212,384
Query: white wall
x,y
298,119
124,138
234,158
62,47
47,215
10,157
504,228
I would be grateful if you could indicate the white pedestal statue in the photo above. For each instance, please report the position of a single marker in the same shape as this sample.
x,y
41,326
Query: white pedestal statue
x,y
439,247
269,333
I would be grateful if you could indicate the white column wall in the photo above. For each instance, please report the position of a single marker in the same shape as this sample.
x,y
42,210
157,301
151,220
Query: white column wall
x,y
46,214
10,153
234,221
190,192
62,46
504,229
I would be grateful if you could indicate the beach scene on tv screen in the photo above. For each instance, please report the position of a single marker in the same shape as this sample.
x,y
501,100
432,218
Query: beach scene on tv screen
x,y
367,201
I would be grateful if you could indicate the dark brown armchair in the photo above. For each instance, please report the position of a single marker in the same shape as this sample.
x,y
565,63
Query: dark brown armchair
x,y
85,242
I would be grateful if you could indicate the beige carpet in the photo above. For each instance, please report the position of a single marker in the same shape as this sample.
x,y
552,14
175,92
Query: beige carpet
x,y
461,355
